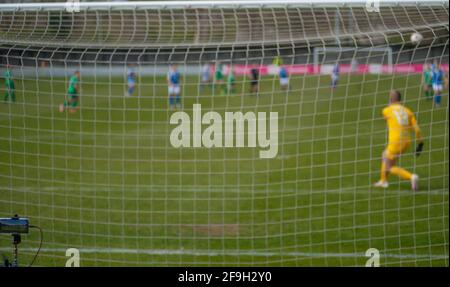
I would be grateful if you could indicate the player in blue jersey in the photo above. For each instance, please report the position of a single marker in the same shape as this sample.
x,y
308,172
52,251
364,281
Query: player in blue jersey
x,y
438,78
131,80
335,76
174,82
284,77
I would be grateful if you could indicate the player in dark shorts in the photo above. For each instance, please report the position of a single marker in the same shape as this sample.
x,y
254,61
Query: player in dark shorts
x,y
254,78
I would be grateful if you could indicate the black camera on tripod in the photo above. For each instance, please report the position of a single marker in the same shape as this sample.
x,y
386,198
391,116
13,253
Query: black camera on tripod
x,y
14,226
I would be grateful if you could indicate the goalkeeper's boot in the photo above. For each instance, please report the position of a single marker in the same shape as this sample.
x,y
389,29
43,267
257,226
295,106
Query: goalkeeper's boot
x,y
382,184
414,182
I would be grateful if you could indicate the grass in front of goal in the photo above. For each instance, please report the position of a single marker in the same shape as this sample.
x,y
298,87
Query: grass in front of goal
x,y
107,181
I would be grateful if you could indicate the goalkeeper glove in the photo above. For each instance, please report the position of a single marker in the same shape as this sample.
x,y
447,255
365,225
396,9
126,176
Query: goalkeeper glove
x,y
419,148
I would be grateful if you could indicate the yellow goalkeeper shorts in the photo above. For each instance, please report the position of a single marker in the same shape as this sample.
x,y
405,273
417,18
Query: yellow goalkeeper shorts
x,y
394,150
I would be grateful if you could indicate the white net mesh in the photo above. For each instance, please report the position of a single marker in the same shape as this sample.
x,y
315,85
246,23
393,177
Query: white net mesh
x,y
107,181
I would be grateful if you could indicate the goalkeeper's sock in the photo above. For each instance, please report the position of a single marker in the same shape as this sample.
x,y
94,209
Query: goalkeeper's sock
x,y
400,172
383,172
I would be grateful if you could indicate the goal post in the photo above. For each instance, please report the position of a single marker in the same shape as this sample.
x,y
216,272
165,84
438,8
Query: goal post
x,y
115,132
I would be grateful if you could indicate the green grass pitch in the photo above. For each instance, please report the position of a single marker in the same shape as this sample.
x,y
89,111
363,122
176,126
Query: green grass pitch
x,y
107,181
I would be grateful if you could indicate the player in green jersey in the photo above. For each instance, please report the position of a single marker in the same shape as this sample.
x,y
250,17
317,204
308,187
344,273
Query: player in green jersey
x,y
427,81
9,85
72,94
219,78
231,81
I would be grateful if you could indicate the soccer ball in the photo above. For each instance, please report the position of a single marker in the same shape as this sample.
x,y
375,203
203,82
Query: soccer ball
x,y
416,38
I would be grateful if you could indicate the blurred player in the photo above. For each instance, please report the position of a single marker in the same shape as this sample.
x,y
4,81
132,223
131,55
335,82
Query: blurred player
x,y
254,79
131,81
219,81
72,94
438,78
427,82
354,65
284,78
174,81
231,81
335,76
9,85
401,122
205,76
277,61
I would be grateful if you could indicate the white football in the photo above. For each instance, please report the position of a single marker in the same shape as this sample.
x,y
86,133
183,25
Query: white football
x,y
416,38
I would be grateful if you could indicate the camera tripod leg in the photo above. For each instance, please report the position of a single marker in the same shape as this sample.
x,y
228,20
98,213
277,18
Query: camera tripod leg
x,y
15,263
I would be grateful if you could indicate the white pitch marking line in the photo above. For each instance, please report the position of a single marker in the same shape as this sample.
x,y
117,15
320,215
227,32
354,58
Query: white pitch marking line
x,y
225,190
214,253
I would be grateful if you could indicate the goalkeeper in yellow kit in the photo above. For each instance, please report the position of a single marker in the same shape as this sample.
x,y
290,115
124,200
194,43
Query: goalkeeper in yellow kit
x,y
401,122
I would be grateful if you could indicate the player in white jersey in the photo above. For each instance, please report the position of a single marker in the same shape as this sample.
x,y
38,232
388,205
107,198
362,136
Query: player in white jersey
x,y
206,77
335,76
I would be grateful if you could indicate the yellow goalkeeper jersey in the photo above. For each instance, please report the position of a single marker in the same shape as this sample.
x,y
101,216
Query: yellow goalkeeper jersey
x,y
400,121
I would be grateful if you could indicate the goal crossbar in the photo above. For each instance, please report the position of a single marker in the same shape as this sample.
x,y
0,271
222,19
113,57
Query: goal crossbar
x,y
56,6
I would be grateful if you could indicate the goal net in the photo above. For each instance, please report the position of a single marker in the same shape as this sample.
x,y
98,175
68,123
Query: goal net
x,y
92,161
